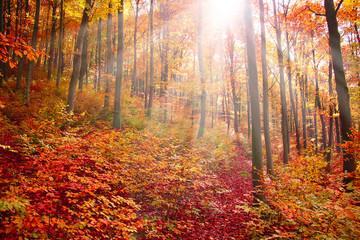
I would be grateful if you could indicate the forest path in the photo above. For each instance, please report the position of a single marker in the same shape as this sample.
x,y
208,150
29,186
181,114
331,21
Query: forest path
x,y
212,211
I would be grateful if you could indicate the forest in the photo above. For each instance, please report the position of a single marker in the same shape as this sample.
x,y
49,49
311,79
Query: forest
x,y
187,119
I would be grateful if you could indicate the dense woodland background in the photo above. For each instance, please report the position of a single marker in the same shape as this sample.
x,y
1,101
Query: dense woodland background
x,y
192,119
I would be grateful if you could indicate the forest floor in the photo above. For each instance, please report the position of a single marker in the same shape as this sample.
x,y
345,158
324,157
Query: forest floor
x,y
71,176
181,203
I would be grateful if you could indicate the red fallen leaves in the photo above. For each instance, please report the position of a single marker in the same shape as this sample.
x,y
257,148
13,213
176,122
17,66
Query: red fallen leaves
x,y
118,184
62,195
206,207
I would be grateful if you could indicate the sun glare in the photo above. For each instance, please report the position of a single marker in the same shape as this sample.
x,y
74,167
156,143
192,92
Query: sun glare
x,y
225,10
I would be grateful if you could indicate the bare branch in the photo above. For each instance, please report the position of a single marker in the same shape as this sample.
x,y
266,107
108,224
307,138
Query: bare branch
x,y
338,7
317,14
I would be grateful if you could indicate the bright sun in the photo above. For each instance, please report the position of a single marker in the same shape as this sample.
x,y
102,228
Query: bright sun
x,y
225,10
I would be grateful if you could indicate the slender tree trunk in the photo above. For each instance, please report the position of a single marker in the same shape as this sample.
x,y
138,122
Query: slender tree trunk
x,y
269,161
146,90
84,61
33,44
227,99
61,37
341,85
77,58
320,111
257,158
331,121
151,87
52,41
303,110
19,72
22,59
119,71
357,32
231,44
202,76
99,56
315,133
133,82
248,107
295,113
109,60
47,34
284,116
164,56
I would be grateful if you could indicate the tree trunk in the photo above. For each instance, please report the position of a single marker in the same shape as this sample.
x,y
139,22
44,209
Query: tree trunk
x,y
231,44
248,108
164,56
202,76
151,87
119,71
109,60
133,82
257,158
284,116
341,85
33,44
47,34
52,41
321,112
269,161
61,37
84,61
77,58
146,89
295,113
303,110
331,121
99,56
22,59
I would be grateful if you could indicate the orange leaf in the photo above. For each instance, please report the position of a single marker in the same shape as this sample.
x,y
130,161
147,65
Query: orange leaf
x,y
349,214
12,64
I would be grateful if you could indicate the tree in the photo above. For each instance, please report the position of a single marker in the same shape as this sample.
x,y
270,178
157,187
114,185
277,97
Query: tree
x,y
164,56
269,161
52,41
151,87
77,58
33,44
61,37
98,76
231,44
340,80
84,61
202,76
257,158
109,59
119,71
331,116
22,58
284,116
290,80
133,82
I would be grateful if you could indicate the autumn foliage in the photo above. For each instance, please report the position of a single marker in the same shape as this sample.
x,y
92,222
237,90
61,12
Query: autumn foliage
x,y
145,120
93,182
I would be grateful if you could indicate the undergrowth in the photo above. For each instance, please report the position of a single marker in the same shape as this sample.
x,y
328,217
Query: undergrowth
x,y
71,176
